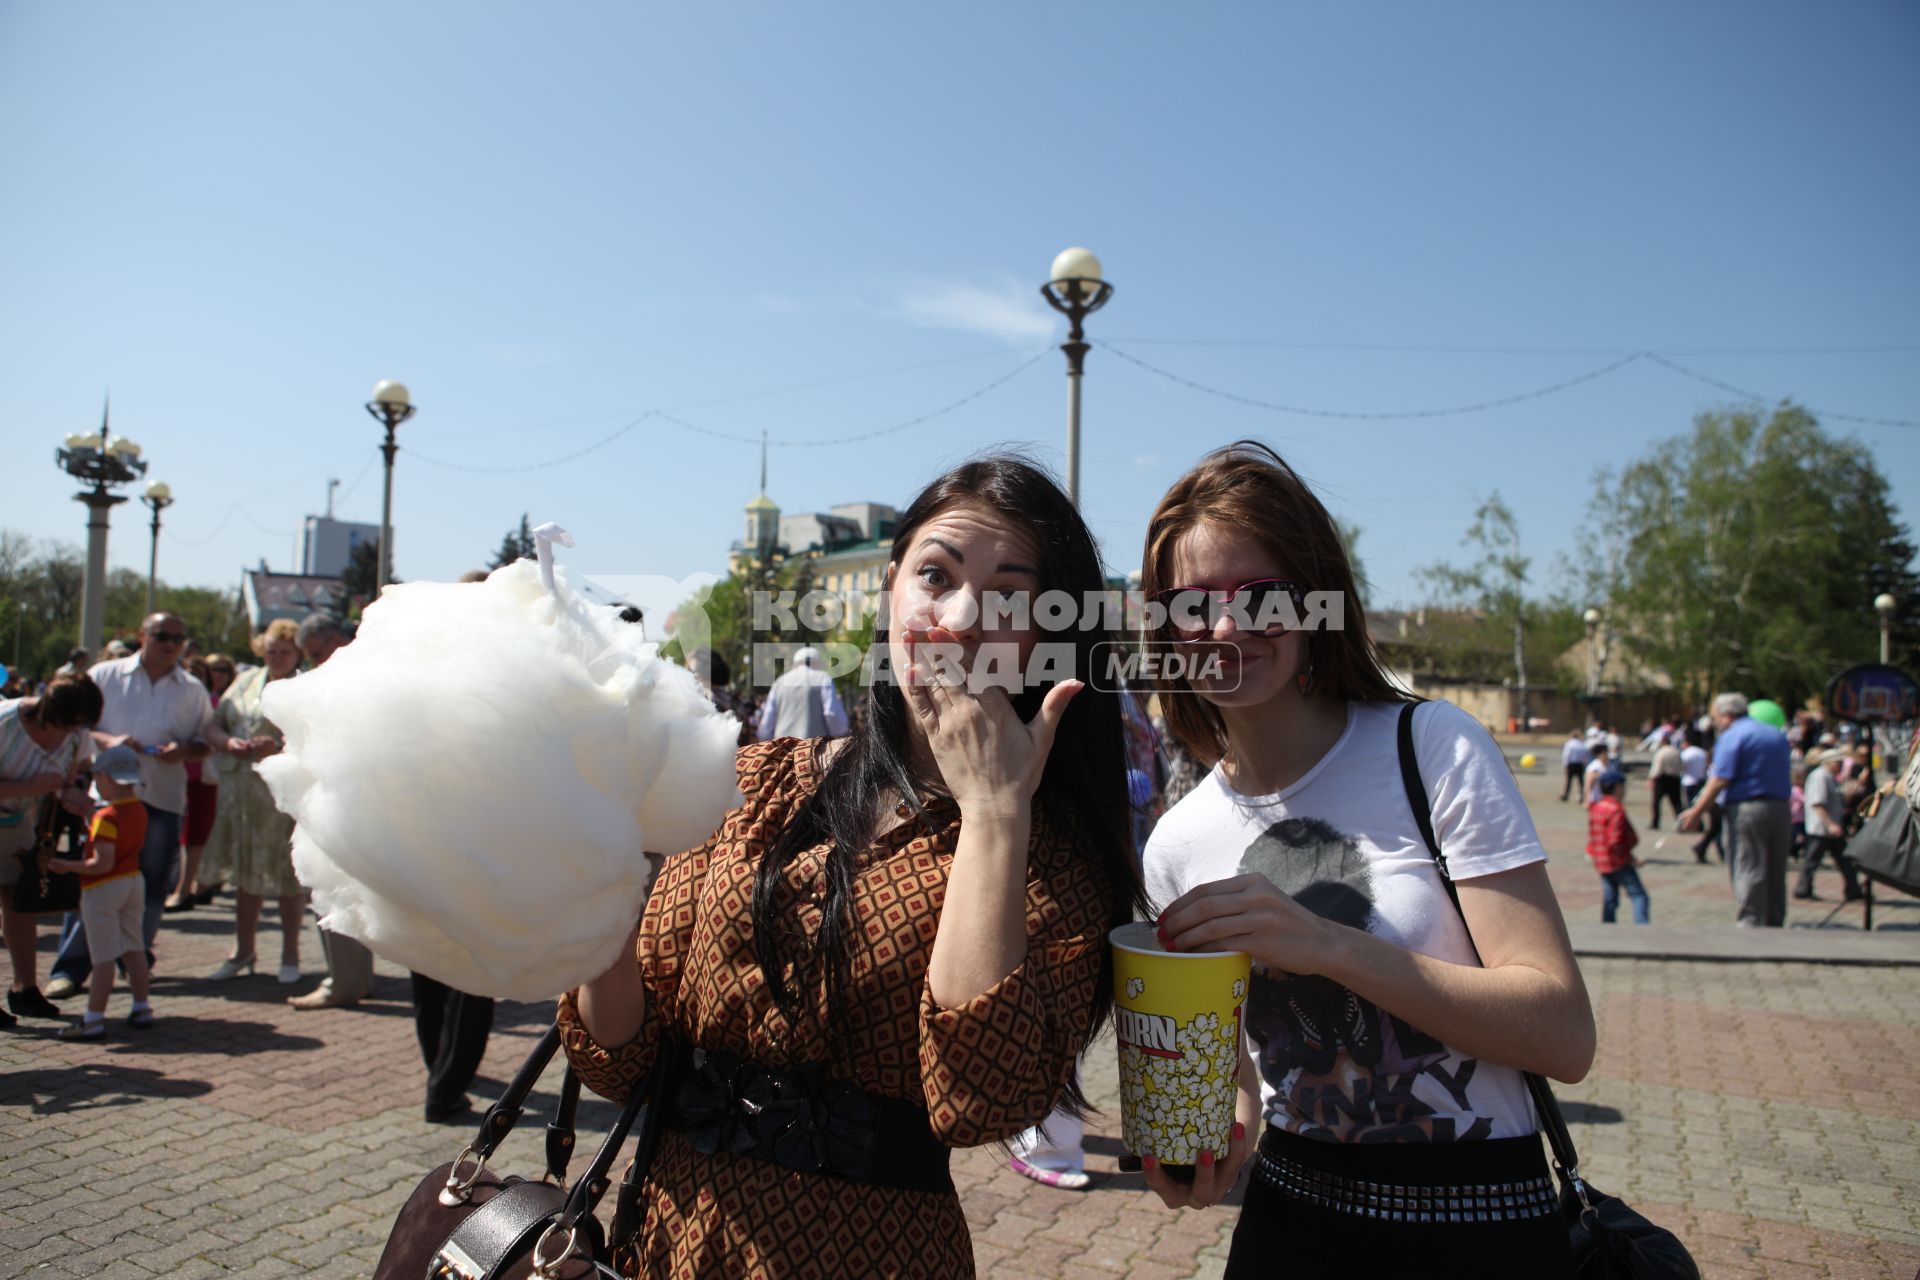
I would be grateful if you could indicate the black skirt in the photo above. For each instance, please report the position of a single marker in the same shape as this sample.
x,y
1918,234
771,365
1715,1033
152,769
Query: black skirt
x,y
1478,1208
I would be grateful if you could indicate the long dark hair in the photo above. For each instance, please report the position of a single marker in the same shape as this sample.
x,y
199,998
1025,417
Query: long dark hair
x,y
1083,788
1249,488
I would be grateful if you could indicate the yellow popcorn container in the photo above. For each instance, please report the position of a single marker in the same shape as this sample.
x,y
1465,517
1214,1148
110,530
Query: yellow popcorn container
x,y
1177,1019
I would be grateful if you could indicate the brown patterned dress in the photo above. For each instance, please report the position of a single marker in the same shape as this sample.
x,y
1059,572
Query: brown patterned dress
x,y
984,1070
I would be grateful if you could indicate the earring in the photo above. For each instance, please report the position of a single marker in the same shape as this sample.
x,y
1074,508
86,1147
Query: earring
x,y
1304,681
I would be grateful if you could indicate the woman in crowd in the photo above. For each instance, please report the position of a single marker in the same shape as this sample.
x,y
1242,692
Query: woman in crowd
x,y
45,742
1384,1056
203,795
905,927
251,842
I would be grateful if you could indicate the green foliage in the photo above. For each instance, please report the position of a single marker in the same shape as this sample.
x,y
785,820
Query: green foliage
x,y
514,545
1754,549
1494,584
41,588
357,578
727,606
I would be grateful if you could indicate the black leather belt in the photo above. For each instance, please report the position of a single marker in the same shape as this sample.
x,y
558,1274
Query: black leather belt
x,y
800,1120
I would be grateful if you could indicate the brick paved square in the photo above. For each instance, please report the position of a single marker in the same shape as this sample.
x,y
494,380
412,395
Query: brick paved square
x,y
1770,1112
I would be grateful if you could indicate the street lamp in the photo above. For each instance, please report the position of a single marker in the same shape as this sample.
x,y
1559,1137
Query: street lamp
x,y
1076,291
101,460
1885,604
390,406
159,497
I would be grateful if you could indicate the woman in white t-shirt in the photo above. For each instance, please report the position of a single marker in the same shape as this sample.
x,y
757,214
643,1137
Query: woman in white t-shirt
x,y
1382,1059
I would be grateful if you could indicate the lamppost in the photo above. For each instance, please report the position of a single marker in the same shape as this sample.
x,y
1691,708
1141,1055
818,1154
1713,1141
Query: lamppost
x,y
99,460
159,497
390,406
1076,291
1885,604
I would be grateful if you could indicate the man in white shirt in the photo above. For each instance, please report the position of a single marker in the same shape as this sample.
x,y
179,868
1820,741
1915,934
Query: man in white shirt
x,y
1574,757
159,710
803,703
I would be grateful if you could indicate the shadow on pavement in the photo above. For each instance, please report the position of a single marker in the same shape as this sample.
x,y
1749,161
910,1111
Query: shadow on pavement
x,y
1590,1113
90,1085
199,1034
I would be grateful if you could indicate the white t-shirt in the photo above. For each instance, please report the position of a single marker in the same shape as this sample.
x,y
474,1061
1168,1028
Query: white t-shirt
x,y
1693,765
21,758
1343,841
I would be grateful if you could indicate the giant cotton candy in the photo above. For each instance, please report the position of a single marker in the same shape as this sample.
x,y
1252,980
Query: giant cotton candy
x,y
474,779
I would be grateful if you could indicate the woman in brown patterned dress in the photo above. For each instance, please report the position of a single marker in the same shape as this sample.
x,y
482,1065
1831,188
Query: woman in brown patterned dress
x,y
896,944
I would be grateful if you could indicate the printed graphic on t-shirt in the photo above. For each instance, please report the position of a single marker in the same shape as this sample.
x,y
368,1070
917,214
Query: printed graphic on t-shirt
x,y
1344,1070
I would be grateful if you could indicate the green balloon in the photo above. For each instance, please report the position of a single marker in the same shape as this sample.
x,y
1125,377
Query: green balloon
x,y
1767,711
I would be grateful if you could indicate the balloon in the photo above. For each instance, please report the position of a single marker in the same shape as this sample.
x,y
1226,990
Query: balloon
x,y
3,674
1767,711
1529,760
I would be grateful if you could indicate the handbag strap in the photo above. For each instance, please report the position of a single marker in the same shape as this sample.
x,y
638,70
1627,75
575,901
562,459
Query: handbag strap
x,y
585,1194
1544,1103
500,1118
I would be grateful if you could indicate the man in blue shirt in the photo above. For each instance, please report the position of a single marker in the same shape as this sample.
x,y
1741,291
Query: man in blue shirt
x,y
1752,768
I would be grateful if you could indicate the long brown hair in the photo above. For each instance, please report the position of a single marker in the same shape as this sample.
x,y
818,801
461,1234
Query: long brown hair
x,y
1248,488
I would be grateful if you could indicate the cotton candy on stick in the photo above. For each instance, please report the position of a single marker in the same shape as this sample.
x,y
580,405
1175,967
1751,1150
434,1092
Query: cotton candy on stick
x,y
474,779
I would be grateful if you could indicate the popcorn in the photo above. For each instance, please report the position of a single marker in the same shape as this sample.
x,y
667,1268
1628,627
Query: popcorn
x,y
1174,1103
1136,985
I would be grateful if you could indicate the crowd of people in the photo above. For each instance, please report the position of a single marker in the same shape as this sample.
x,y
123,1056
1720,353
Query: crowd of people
x,y
1763,793
138,774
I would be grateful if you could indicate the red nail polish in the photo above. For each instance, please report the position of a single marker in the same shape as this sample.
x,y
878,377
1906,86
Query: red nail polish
x,y
1239,1131
1206,1159
1148,1162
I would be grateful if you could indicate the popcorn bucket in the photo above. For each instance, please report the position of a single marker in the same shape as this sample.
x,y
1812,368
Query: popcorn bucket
x,y
1177,1019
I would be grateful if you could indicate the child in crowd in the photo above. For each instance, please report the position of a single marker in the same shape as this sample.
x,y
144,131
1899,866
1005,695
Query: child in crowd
x,y
1610,842
113,892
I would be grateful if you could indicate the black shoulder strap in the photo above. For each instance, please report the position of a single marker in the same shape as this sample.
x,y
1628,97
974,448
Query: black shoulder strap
x,y
1544,1102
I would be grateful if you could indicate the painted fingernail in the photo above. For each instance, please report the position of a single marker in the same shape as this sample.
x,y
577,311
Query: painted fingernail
x,y
1206,1159
1162,933
1148,1162
1239,1132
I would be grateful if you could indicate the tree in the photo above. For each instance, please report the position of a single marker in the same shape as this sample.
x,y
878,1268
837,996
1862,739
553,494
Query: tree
x,y
356,580
514,545
1350,543
40,597
1496,583
1754,549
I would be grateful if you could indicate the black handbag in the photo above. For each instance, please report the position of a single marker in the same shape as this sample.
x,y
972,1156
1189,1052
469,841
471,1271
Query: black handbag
x,y
1610,1241
465,1222
1887,846
43,893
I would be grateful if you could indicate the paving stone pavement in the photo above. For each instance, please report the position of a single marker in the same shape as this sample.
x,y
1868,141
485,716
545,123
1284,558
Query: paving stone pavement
x,y
1769,1112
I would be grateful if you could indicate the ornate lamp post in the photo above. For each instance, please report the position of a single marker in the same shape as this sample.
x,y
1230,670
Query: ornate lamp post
x,y
159,497
99,460
1885,604
390,406
1076,291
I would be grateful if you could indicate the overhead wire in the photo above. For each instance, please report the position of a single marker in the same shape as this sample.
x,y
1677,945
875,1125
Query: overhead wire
x,y
1501,402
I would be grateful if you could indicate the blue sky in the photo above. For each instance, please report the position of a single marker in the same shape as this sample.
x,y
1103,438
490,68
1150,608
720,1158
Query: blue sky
x,y
827,219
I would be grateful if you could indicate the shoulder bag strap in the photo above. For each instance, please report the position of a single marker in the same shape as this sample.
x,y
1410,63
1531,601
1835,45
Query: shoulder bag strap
x,y
1544,1102
500,1118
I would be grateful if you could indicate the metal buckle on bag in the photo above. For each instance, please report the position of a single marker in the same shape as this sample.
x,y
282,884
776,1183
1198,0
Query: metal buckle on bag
x,y
458,1189
452,1263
